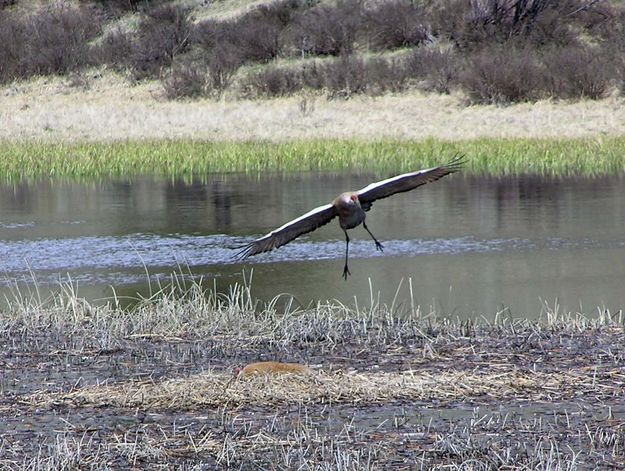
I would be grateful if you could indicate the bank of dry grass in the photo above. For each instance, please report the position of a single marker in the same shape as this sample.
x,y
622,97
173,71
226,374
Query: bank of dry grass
x,y
106,109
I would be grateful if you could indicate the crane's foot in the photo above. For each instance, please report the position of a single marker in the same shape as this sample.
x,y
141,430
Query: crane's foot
x,y
379,246
346,272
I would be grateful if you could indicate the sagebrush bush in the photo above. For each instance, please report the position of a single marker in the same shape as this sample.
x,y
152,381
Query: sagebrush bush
x,y
56,39
186,80
393,24
579,72
502,75
271,82
163,33
345,76
326,29
12,39
115,49
471,25
432,69
496,51
119,7
254,36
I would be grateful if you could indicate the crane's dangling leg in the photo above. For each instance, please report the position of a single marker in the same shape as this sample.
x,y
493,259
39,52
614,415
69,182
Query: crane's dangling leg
x,y
345,269
378,246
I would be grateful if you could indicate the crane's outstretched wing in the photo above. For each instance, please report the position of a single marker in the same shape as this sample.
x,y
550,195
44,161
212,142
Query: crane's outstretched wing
x,y
406,182
291,230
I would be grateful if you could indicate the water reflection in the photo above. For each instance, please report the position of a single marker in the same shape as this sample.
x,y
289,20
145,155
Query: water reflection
x,y
471,245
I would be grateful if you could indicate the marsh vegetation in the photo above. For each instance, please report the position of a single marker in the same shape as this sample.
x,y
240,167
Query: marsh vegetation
x,y
102,386
186,158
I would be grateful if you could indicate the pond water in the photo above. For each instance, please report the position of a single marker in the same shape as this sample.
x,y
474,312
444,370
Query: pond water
x,y
467,246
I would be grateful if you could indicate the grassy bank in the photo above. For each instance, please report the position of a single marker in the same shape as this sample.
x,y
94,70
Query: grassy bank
x,y
152,386
584,156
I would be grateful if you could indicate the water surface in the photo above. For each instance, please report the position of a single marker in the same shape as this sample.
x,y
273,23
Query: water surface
x,y
470,246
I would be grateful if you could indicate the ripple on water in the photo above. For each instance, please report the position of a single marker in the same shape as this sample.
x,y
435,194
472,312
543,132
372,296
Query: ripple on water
x,y
110,259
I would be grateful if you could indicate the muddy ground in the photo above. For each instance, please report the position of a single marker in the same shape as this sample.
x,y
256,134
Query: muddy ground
x,y
522,397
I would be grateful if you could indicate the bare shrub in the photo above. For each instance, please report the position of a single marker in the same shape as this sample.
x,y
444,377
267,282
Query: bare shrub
x,y
385,75
12,38
326,29
222,63
393,24
115,49
502,75
576,72
538,22
206,34
339,78
251,39
312,75
282,12
610,35
435,70
255,36
546,22
447,18
119,7
201,74
163,33
186,80
56,39
607,23
272,82
345,76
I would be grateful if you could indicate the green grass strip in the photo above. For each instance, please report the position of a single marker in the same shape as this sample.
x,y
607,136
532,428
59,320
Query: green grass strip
x,y
590,156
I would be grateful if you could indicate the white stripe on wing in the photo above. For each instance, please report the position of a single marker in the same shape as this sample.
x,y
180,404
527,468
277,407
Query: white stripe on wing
x,y
381,183
295,221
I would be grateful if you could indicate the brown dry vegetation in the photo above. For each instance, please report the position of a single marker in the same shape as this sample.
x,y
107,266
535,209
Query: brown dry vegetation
x,y
446,388
93,71
493,51
107,109
151,387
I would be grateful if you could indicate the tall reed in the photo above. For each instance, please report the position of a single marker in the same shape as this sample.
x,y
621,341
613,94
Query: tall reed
x,y
589,156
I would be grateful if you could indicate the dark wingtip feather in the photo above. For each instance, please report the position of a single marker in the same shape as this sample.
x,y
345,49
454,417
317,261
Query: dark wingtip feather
x,y
457,163
244,252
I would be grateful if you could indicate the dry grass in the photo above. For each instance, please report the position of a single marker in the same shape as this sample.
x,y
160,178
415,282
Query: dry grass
x,y
214,390
105,108
224,10
149,387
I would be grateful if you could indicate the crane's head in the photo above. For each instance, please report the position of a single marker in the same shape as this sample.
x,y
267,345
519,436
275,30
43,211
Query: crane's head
x,y
347,199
